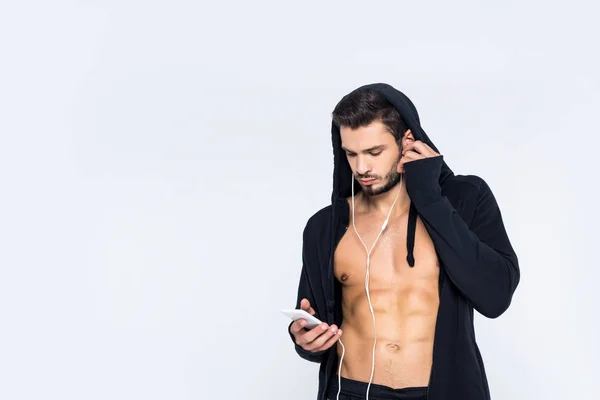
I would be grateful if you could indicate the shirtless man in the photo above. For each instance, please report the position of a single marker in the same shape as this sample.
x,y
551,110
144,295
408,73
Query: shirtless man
x,y
389,324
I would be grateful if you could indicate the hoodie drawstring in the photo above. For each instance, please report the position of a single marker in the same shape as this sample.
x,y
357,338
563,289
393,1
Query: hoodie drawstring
x,y
410,236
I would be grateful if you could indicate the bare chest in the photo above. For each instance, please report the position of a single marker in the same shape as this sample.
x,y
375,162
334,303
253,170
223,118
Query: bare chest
x,y
388,264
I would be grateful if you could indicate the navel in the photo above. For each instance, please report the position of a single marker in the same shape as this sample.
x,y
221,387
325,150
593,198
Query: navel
x,y
392,347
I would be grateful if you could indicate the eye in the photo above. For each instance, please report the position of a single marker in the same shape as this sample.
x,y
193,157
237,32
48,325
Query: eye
x,y
375,153
350,154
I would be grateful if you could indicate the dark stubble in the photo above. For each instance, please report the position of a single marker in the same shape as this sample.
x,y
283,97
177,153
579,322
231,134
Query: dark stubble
x,y
391,180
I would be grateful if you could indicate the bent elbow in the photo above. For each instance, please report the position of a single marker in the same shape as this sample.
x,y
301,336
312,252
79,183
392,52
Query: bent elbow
x,y
499,302
493,311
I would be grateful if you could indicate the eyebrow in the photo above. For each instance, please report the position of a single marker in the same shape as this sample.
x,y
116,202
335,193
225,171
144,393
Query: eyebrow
x,y
378,147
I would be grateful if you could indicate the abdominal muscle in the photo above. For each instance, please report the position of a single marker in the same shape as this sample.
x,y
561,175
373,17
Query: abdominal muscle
x,y
405,317
405,300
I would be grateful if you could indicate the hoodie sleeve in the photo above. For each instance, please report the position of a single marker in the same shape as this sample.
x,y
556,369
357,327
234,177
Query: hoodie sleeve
x,y
479,258
305,291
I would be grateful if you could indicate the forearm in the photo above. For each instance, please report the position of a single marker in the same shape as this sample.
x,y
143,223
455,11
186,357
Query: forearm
x,y
478,258
486,274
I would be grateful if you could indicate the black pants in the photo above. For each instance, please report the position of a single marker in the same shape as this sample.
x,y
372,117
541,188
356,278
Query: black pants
x,y
355,390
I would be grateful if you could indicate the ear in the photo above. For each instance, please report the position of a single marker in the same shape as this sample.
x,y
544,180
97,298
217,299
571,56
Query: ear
x,y
408,135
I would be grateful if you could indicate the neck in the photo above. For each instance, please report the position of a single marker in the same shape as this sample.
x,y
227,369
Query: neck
x,y
382,203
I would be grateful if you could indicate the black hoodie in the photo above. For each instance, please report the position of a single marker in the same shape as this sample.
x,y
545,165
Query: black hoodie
x,y
478,266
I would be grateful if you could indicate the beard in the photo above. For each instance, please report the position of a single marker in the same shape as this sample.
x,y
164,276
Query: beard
x,y
391,180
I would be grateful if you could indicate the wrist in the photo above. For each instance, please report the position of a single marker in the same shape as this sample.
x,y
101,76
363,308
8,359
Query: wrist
x,y
422,180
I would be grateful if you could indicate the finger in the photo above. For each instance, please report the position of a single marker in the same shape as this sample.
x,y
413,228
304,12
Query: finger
x,y
428,147
408,157
412,155
297,326
423,148
332,340
305,305
413,145
416,146
322,339
311,335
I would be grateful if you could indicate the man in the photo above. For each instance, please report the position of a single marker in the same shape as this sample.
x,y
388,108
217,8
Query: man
x,y
396,264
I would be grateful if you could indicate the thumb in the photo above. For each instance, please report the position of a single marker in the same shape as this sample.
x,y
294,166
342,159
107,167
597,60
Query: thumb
x,y
305,305
400,167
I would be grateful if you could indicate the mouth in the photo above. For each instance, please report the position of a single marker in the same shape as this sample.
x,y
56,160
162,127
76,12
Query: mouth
x,y
367,182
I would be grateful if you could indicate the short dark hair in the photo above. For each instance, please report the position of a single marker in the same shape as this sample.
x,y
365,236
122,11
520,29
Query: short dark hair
x,y
361,107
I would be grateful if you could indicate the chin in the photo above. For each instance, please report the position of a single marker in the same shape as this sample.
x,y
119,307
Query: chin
x,y
372,190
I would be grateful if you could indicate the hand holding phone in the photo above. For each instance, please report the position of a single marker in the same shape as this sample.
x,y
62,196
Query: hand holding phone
x,y
310,333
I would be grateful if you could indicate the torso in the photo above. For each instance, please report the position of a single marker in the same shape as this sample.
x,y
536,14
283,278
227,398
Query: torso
x,y
405,301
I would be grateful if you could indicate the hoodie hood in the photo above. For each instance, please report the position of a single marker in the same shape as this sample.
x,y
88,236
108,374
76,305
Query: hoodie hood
x,y
342,174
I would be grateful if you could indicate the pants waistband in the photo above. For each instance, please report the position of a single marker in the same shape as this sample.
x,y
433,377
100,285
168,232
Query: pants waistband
x,y
352,389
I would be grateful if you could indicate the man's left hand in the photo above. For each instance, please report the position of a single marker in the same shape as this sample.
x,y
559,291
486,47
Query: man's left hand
x,y
416,150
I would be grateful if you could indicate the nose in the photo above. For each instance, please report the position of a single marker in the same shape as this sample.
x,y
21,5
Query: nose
x,y
362,166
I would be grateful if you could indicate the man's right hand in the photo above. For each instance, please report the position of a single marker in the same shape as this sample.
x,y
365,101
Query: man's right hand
x,y
317,339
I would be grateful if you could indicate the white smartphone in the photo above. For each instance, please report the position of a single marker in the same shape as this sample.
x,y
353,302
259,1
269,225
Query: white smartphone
x,y
295,315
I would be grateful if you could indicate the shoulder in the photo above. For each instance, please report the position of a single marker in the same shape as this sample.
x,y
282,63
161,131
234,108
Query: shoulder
x,y
318,220
318,227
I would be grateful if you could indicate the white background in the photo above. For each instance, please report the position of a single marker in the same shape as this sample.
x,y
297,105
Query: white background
x,y
159,161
